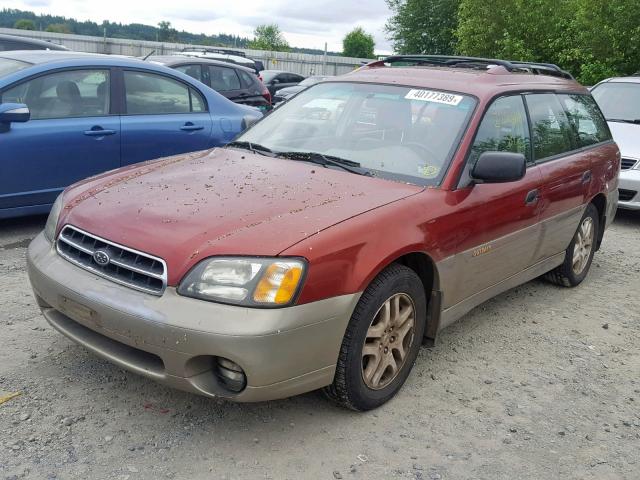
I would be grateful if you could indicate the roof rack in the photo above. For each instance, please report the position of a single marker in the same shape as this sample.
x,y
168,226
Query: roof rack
x,y
475,63
222,51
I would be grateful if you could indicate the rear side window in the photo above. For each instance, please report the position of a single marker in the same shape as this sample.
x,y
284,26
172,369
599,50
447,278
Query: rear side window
x,y
551,130
247,79
194,71
151,94
504,128
72,93
589,126
223,79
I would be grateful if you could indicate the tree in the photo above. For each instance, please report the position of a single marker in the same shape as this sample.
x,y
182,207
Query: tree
x,y
269,37
358,43
423,26
24,24
166,32
58,28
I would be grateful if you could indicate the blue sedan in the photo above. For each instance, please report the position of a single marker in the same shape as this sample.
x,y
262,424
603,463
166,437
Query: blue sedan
x,y
65,116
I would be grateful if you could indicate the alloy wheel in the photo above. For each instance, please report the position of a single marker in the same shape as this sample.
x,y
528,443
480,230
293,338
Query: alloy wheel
x,y
388,341
583,245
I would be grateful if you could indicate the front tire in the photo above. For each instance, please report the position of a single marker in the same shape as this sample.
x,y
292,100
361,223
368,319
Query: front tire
x,y
382,340
579,254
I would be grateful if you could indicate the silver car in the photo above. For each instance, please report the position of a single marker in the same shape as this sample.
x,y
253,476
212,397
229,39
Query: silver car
x,y
619,99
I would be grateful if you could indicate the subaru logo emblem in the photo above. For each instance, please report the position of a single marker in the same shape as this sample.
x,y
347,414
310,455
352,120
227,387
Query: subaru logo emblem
x,y
101,258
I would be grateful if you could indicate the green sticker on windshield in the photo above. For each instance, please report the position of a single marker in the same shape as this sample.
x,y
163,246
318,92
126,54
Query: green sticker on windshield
x,y
428,171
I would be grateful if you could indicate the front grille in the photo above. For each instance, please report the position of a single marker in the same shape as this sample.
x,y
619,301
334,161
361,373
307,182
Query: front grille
x,y
627,163
125,266
626,195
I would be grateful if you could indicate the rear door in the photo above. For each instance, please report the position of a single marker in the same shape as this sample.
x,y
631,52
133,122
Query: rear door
x,y
565,166
162,116
504,235
226,81
70,136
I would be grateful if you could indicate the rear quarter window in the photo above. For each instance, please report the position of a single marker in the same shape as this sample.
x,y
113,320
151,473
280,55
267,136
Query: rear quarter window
x,y
589,126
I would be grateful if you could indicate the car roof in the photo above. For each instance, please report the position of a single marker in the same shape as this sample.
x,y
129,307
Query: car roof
x,y
32,41
171,60
630,79
479,83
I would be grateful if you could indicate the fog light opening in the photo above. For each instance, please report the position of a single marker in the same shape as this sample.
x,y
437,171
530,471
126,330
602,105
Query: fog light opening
x,y
230,375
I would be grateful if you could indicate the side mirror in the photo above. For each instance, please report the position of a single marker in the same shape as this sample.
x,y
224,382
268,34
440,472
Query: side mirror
x,y
275,81
499,167
13,112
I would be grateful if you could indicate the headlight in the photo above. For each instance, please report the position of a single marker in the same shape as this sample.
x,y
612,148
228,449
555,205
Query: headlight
x,y
251,282
52,221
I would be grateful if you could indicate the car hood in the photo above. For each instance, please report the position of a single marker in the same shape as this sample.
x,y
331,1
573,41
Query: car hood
x,y
221,202
627,136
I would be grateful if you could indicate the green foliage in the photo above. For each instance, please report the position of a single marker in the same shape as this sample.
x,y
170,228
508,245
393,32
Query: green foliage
x,y
166,32
423,26
269,37
24,24
358,43
593,39
58,28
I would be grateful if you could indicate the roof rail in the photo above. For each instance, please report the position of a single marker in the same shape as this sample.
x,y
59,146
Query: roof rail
x,y
223,51
473,62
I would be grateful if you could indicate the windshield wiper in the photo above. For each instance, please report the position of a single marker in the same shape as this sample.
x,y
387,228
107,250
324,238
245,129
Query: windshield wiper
x,y
253,147
635,121
326,160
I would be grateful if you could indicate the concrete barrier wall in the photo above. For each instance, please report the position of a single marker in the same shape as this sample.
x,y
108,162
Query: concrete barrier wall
x,y
301,63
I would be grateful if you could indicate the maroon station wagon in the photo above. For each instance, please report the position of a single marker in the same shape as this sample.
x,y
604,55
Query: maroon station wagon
x,y
336,235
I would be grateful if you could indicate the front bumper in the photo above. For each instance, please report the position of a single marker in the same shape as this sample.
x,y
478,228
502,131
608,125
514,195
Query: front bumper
x,y
176,340
629,185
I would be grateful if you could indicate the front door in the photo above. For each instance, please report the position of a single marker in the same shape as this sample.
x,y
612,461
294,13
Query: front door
x,y
499,223
70,136
163,117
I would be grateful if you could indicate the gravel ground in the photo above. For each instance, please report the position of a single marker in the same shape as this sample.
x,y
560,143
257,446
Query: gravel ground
x,y
539,383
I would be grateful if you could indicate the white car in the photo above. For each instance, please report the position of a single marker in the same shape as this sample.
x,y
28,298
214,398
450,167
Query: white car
x,y
619,99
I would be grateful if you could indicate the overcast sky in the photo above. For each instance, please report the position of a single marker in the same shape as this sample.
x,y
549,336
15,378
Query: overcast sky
x,y
305,23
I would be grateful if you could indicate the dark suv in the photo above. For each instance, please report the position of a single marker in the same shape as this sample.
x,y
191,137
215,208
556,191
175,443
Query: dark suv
x,y
239,84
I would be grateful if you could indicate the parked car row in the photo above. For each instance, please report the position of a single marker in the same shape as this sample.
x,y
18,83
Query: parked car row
x,y
329,241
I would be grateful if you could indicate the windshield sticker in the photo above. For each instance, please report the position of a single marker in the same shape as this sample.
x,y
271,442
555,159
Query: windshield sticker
x,y
428,171
436,97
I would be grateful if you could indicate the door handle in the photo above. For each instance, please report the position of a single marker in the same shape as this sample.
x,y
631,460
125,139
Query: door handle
x,y
586,176
98,132
190,127
532,197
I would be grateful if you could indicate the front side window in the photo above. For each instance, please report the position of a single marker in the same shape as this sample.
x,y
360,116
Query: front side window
x,y
504,128
394,132
223,79
552,132
588,124
151,94
72,93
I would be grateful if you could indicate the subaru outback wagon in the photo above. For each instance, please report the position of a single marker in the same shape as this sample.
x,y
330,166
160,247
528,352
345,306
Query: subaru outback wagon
x,y
336,235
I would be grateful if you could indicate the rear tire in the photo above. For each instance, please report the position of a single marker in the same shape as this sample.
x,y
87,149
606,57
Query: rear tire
x,y
579,254
382,340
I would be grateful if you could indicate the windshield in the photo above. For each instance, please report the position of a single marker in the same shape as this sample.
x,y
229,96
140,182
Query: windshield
x,y
9,66
394,132
268,75
618,100
310,81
